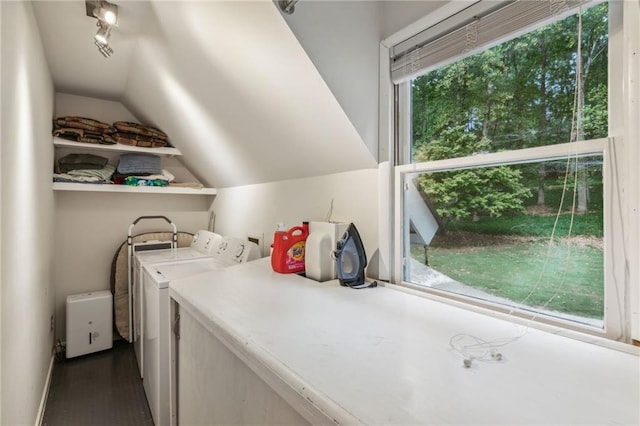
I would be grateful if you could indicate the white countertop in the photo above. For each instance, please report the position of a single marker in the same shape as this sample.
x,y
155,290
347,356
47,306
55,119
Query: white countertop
x,y
380,355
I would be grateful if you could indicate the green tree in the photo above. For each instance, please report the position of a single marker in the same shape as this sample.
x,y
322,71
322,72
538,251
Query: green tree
x,y
472,193
522,93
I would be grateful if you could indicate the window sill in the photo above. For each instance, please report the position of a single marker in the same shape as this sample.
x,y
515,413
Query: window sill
x,y
568,329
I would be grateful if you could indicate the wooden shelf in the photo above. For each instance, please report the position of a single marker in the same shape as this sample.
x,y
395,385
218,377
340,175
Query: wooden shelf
x,y
63,143
88,187
120,148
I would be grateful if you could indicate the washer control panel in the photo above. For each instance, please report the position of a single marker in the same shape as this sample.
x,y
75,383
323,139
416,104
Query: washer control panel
x,y
236,250
205,241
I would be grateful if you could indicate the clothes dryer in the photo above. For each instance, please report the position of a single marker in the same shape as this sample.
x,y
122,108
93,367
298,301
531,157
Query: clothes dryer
x,y
203,245
156,316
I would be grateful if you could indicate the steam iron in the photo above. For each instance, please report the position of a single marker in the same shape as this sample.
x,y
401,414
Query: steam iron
x,y
351,259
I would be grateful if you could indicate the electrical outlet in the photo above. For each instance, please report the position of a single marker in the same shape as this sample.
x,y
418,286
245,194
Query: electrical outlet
x,y
256,237
52,323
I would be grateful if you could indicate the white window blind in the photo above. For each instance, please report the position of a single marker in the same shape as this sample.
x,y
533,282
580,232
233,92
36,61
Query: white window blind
x,y
476,28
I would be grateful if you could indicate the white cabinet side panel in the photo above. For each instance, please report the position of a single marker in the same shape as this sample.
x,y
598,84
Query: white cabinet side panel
x,y
215,387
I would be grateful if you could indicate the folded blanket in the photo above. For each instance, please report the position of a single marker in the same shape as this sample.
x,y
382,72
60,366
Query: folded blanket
x,y
139,140
104,174
139,129
86,136
63,177
69,133
83,123
165,175
107,140
81,162
139,164
87,176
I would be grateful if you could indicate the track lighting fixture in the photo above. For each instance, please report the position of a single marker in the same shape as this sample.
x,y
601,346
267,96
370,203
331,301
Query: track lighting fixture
x,y
107,15
103,34
287,6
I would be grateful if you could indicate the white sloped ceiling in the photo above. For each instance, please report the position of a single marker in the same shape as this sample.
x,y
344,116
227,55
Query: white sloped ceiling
x,y
227,80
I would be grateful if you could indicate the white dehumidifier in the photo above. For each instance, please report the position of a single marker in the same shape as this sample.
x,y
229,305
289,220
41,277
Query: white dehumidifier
x,y
89,323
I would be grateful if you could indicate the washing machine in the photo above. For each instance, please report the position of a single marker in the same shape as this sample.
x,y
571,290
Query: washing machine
x,y
203,245
156,333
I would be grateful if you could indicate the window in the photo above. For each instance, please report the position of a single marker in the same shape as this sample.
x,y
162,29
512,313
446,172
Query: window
x,y
506,169
493,242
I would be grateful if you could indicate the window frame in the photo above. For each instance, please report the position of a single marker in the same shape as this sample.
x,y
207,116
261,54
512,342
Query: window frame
x,y
600,146
620,292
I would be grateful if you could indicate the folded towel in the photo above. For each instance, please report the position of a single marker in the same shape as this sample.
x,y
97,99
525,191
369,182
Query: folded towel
x,y
139,164
63,177
81,162
104,174
165,175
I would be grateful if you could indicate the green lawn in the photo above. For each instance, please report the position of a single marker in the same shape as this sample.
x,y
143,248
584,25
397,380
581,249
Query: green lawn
x,y
567,277
509,256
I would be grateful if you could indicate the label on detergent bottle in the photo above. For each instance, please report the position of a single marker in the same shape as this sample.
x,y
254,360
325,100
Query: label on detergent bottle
x,y
295,256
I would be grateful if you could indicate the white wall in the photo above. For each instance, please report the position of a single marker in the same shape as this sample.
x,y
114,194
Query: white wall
x,y
397,15
341,39
99,109
27,216
90,226
249,108
258,208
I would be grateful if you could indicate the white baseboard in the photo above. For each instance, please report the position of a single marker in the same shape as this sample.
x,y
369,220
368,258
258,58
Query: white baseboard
x,y
45,392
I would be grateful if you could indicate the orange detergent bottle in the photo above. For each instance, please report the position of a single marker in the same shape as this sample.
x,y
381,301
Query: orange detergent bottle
x,y
288,249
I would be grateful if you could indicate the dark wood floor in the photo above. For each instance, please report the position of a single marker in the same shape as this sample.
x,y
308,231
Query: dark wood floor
x,y
103,388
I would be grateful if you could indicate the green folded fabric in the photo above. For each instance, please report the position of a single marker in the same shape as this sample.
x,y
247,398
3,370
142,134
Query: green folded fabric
x,y
81,162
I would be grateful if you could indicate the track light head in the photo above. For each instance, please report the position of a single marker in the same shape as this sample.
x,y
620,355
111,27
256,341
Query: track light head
x,y
110,17
103,34
103,11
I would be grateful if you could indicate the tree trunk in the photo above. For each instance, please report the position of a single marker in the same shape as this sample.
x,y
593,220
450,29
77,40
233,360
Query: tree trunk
x,y
543,115
485,122
583,187
541,175
582,183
